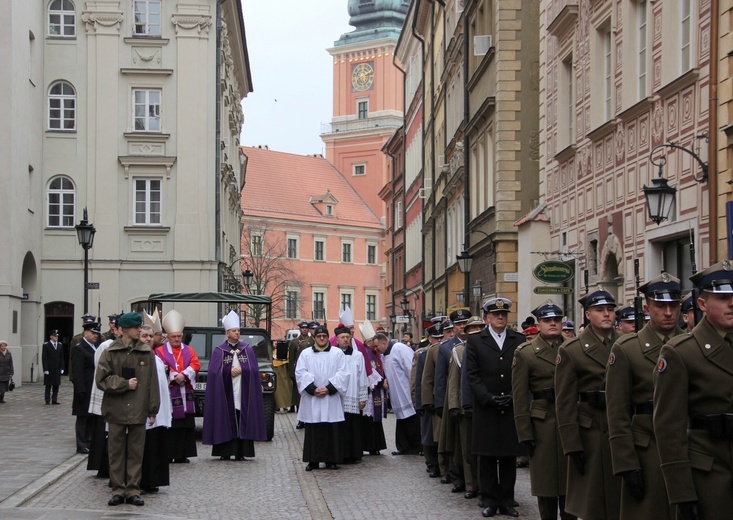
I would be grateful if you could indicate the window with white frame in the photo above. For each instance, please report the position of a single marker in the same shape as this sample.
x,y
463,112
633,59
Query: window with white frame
x,y
569,76
291,304
362,108
345,300
319,250
255,242
641,44
148,202
61,200
292,247
61,106
607,74
346,252
371,254
319,309
359,169
62,19
398,214
685,35
371,307
146,110
147,17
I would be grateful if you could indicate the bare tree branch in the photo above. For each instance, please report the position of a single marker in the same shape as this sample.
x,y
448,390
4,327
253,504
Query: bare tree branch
x,y
266,257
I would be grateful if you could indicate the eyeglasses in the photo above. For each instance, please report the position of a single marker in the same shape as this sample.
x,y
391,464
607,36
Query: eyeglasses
x,y
321,335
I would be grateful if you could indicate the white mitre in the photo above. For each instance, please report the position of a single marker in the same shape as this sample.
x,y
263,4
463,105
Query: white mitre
x,y
174,321
231,321
346,316
367,330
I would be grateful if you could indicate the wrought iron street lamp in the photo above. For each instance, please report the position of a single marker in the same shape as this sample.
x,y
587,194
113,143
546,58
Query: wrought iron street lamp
x,y
247,277
85,233
405,307
465,261
660,196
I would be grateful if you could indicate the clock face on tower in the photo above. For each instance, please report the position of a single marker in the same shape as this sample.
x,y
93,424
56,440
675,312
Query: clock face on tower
x,y
362,76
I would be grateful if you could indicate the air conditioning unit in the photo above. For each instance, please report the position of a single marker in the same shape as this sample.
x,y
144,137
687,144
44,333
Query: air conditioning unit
x,y
482,44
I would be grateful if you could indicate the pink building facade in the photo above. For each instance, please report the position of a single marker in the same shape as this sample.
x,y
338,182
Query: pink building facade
x,y
318,234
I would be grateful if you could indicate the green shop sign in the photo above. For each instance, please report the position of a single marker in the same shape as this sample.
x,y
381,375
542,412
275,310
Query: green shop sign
x,y
553,271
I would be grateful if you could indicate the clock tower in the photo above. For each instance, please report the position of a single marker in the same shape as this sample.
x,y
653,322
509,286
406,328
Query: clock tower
x,y
367,96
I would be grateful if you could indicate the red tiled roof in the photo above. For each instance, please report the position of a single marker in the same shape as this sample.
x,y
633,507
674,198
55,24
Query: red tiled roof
x,y
282,185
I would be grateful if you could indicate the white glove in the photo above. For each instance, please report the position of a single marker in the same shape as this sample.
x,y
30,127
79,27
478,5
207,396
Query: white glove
x,y
62,372
45,372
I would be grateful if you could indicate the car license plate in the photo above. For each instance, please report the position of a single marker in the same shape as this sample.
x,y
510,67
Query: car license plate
x,y
199,386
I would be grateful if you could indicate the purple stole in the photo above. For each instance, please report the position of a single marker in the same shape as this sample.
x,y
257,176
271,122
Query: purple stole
x,y
372,363
180,407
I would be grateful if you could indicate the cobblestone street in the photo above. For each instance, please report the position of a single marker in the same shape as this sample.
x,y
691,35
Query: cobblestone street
x,y
45,479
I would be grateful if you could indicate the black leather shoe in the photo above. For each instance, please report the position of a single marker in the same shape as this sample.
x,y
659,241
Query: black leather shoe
x,y
135,500
116,500
434,473
55,402
331,465
300,425
470,494
445,479
399,452
522,464
515,503
48,402
489,512
458,488
224,457
374,452
181,461
149,490
239,458
84,451
509,511
311,466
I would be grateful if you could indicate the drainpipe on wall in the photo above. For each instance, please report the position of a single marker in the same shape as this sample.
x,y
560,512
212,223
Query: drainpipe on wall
x,y
217,152
466,173
713,133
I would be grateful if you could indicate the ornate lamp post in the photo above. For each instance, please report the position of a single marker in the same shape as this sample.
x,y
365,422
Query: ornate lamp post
x,y
85,233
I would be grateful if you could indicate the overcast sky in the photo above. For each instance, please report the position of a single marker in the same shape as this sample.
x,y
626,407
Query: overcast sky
x,y
292,72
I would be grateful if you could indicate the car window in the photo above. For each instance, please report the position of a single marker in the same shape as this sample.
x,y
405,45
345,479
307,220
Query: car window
x,y
259,344
198,344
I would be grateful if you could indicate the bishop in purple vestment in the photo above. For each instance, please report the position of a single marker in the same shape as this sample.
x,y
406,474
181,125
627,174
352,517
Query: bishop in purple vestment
x,y
234,411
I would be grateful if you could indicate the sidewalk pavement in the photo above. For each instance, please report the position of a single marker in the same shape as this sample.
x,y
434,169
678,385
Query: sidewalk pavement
x,y
44,478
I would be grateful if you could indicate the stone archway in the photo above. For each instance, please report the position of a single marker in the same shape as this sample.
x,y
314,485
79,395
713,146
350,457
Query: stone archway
x,y
611,267
29,326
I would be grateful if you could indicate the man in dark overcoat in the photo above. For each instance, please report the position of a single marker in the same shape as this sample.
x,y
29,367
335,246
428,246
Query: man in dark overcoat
x,y
52,357
533,390
82,362
629,392
489,356
593,492
693,412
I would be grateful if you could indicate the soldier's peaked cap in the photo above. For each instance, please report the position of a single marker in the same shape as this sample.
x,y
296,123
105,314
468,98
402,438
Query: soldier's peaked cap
x,y
548,310
663,288
599,297
717,278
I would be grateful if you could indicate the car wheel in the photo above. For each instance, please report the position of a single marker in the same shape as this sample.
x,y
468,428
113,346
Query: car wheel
x,y
270,415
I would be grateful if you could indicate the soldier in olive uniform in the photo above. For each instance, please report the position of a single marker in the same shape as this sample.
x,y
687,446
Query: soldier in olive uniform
x,y
461,416
629,391
593,492
438,334
424,372
533,390
296,346
693,413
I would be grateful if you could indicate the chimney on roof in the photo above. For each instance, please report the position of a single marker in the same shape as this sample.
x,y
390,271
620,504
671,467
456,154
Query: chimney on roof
x,y
263,146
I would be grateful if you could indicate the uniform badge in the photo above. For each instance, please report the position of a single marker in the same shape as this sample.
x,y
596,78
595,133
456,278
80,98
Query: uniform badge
x,y
612,358
514,361
665,277
726,265
662,365
558,359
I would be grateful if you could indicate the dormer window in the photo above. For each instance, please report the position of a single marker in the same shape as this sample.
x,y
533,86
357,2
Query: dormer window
x,y
324,204
329,209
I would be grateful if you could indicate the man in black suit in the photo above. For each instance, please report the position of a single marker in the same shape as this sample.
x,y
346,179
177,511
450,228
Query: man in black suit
x,y
52,357
82,363
489,356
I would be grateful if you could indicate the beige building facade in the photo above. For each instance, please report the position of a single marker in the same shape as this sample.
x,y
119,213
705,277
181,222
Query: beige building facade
x,y
138,122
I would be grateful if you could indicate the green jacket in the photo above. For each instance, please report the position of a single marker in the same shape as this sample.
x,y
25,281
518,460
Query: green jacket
x,y
121,405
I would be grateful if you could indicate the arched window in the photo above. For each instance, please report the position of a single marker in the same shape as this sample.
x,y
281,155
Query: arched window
x,y
61,19
61,199
61,106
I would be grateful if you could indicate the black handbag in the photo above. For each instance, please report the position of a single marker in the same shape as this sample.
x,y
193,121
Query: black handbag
x,y
11,385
